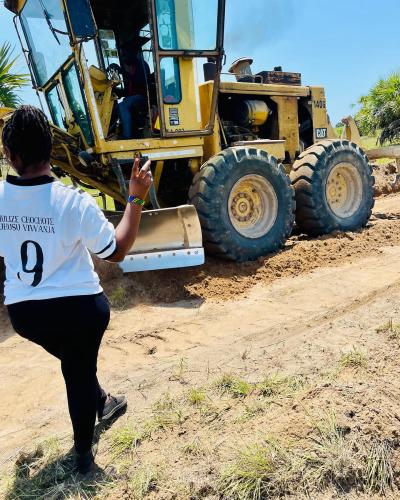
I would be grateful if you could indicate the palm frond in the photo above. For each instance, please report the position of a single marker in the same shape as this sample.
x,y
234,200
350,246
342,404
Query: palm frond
x,y
10,82
380,110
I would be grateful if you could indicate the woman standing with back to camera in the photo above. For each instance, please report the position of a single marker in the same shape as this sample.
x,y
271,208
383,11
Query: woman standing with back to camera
x,y
52,292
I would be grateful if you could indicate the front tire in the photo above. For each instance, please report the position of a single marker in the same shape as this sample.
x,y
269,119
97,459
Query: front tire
x,y
334,188
245,204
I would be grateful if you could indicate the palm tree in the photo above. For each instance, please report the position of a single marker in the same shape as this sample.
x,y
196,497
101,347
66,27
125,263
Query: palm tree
x,y
10,82
380,110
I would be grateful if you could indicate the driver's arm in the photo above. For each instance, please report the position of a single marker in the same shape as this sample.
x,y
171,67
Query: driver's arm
x,y
111,70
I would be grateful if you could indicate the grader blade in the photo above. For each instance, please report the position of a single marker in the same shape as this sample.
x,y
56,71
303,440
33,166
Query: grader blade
x,y
168,238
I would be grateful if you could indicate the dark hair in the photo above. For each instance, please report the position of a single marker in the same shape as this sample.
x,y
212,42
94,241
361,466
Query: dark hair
x,y
27,134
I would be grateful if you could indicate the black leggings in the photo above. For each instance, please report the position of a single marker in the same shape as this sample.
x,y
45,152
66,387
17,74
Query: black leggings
x,y
71,329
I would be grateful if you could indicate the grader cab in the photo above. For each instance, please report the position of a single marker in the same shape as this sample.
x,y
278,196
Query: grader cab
x,y
234,162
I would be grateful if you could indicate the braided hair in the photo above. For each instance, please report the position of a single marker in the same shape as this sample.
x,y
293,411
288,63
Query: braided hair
x,y
27,134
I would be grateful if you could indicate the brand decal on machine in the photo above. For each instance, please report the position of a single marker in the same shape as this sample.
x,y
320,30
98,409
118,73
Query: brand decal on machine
x,y
174,117
321,133
320,104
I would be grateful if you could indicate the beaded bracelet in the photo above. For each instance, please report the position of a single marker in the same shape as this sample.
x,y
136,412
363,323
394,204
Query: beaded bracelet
x,y
136,200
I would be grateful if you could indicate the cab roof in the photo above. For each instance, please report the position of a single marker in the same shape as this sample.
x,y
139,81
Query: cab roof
x,y
14,5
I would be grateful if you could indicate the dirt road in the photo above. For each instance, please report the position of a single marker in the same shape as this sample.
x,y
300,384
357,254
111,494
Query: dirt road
x,y
292,313
286,305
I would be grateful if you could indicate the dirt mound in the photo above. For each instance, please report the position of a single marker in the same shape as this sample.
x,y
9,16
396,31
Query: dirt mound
x,y
219,280
387,179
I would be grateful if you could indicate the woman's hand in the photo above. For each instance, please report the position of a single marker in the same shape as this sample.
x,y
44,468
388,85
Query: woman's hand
x,y
127,229
141,179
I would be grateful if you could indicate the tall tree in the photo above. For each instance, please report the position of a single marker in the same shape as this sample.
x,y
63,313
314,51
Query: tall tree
x,y
10,82
380,110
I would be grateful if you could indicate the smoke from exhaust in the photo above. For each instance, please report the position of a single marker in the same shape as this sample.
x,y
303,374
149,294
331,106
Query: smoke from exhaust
x,y
251,24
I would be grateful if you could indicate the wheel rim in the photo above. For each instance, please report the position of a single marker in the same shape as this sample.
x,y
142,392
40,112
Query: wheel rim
x,y
344,190
253,206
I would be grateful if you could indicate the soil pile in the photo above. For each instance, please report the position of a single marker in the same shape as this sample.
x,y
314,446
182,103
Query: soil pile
x,y
387,179
220,280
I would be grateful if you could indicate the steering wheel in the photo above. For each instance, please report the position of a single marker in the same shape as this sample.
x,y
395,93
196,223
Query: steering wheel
x,y
114,73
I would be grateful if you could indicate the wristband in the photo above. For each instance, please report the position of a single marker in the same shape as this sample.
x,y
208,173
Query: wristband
x,y
135,200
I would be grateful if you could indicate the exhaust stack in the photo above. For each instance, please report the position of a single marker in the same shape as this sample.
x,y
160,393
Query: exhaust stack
x,y
241,68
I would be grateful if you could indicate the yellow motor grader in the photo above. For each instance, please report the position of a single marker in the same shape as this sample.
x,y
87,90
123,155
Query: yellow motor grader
x,y
235,162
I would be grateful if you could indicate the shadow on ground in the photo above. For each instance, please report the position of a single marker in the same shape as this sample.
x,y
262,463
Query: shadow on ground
x,y
46,473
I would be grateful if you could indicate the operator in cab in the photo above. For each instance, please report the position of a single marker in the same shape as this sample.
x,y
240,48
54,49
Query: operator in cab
x,y
136,74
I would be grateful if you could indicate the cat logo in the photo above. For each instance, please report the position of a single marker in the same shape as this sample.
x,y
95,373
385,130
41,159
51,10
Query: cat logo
x,y
321,133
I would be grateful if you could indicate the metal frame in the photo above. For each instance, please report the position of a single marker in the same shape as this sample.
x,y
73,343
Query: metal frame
x,y
217,54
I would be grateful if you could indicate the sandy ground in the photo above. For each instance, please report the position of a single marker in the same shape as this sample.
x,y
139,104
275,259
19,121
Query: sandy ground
x,y
293,312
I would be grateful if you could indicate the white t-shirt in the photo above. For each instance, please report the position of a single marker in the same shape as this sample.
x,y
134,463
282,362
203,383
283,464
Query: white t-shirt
x,y
46,230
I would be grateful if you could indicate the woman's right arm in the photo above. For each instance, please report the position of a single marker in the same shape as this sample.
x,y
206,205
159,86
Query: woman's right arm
x,y
127,229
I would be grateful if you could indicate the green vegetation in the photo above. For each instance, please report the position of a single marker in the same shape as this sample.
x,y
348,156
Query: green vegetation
x,y
380,475
125,439
151,457
142,481
234,386
276,385
46,473
194,449
380,110
391,329
196,397
119,298
10,82
166,413
258,471
354,359
330,456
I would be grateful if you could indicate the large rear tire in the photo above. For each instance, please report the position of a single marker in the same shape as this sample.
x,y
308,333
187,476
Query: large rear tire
x,y
245,203
334,188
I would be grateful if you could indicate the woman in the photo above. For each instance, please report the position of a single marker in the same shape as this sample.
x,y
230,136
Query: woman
x,y
52,292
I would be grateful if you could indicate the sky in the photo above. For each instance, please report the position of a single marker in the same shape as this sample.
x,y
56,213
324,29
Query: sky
x,y
343,45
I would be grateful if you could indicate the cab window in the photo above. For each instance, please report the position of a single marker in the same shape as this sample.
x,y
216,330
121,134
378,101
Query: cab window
x,y
56,107
109,48
187,24
46,34
170,80
76,102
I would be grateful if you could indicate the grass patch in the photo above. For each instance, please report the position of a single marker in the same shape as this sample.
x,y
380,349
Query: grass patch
x,y
166,413
196,397
331,457
237,388
328,457
194,449
125,439
119,298
277,385
372,143
258,471
252,411
142,481
391,329
353,359
380,475
178,375
47,473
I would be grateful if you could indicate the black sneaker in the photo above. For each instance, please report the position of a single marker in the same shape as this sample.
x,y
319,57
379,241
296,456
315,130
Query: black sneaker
x,y
112,406
84,462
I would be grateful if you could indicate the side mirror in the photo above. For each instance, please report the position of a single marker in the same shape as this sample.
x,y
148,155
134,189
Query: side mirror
x,y
81,19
